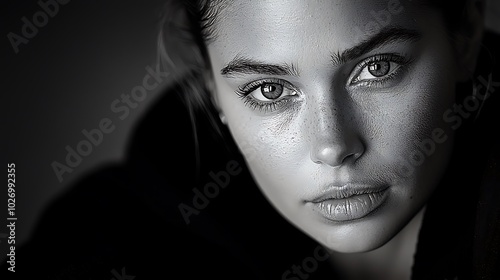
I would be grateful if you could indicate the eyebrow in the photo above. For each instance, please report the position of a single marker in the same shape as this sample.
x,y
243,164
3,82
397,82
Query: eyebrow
x,y
245,65
385,36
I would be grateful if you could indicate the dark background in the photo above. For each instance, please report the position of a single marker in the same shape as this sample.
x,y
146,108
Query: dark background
x,y
64,80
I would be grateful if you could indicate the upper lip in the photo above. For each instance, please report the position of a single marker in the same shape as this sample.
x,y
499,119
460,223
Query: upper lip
x,y
347,190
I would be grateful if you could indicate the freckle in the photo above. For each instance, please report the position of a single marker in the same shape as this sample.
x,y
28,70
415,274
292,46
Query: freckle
x,y
411,197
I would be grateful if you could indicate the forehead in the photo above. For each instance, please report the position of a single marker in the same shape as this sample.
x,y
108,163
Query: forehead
x,y
278,29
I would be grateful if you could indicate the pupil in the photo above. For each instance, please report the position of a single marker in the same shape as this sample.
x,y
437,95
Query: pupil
x,y
379,68
270,88
271,91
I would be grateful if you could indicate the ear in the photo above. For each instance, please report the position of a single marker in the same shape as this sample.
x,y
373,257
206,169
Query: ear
x,y
214,98
468,37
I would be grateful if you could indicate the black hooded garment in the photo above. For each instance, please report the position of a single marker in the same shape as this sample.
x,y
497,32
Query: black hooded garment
x,y
125,221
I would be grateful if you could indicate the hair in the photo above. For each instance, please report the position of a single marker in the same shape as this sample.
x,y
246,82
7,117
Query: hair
x,y
185,27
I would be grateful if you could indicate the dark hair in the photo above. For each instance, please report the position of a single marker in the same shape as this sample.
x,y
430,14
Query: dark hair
x,y
185,27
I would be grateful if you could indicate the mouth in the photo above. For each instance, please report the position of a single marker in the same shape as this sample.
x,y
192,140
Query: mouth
x,y
348,202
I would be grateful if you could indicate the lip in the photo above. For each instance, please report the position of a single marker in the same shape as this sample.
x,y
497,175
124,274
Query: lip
x,y
349,202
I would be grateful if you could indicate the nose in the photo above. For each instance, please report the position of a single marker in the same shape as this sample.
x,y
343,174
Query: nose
x,y
335,137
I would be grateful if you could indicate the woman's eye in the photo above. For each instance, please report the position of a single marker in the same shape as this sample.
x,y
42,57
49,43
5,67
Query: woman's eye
x,y
378,69
269,92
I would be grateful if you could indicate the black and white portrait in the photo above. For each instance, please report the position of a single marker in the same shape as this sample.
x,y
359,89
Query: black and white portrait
x,y
273,139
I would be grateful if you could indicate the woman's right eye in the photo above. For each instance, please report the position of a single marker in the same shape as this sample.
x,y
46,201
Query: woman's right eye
x,y
266,94
269,92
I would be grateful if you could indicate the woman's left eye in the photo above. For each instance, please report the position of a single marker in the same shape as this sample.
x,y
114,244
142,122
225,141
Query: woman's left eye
x,y
378,69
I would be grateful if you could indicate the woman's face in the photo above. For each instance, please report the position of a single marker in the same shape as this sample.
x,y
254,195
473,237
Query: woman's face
x,y
338,108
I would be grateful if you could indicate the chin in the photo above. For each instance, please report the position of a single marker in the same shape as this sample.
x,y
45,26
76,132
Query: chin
x,y
358,245
360,235
357,242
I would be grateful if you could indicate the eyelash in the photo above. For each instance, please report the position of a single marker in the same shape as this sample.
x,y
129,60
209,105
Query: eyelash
x,y
244,93
391,57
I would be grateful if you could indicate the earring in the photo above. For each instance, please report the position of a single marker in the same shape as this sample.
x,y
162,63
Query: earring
x,y
223,118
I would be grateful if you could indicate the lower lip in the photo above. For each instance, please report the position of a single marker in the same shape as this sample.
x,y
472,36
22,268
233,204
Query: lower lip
x,y
351,208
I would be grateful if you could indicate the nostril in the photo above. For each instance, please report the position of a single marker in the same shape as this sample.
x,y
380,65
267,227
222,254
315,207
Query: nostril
x,y
332,155
336,154
349,156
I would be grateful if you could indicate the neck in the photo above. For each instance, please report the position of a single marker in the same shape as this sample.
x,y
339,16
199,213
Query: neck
x,y
393,260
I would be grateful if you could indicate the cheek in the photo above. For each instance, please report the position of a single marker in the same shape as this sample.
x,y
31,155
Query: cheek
x,y
271,151
405,134
274,160
267,142
428,96
274,150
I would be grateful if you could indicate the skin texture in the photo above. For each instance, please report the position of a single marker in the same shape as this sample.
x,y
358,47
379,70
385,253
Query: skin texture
x,y
336,125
